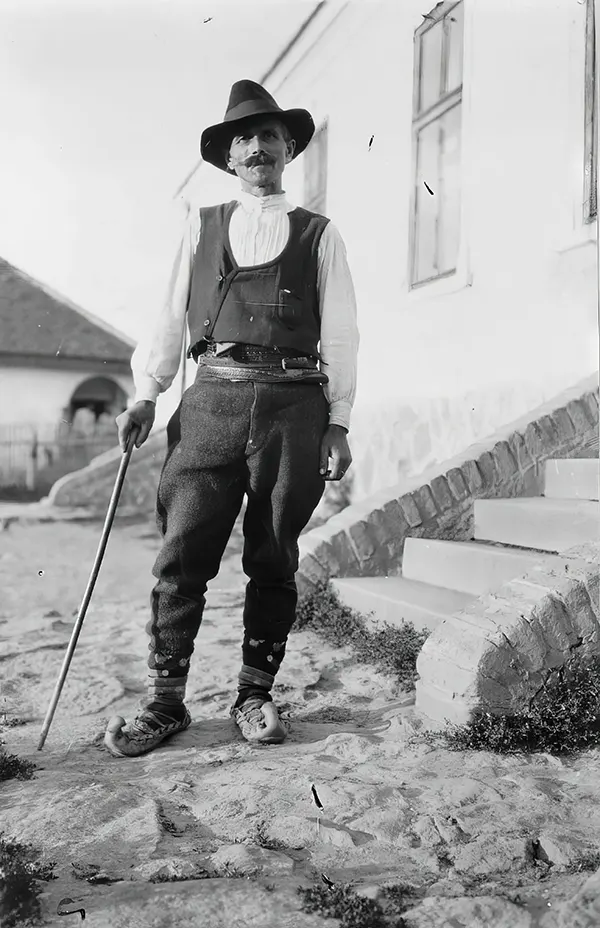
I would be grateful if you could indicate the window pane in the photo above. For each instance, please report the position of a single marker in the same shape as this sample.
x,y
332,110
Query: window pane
x,y
449,190
430,66
426,204
437,219
455,27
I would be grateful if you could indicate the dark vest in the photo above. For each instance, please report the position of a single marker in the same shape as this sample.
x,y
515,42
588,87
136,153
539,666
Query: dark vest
x,y
274,304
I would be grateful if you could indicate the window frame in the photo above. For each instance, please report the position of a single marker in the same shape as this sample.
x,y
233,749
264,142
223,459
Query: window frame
x,y
422,118
590,170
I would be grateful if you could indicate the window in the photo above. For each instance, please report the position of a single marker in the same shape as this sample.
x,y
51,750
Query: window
x,y
590,197
435,219
315,171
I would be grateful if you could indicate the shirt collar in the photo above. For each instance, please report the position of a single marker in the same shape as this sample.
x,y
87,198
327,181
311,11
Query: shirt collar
x,y
275,202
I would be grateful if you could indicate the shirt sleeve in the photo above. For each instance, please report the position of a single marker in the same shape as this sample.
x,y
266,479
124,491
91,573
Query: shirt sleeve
x,y
339,328
157,357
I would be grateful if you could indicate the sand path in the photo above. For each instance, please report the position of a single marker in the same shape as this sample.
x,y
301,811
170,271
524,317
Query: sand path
x,y
209,808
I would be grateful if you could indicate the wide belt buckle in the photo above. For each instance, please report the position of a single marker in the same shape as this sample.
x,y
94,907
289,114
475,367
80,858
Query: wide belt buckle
x,y
295,364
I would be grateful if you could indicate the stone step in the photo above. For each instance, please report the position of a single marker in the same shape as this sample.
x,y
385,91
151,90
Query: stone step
x,y
396,600
537,522
467,566
436,707
575,478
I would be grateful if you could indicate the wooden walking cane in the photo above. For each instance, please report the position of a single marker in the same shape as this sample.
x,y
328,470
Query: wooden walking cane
x,y
110,515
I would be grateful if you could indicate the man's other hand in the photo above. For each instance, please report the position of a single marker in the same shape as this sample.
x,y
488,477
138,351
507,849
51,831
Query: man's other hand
x,y
139,416
335,447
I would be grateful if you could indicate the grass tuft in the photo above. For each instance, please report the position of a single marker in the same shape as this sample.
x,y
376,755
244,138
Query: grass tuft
x,y
392,649
20,875
563,718
178,878
7,722
259,836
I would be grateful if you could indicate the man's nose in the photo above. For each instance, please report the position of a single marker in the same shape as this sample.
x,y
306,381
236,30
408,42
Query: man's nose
x,y
256,145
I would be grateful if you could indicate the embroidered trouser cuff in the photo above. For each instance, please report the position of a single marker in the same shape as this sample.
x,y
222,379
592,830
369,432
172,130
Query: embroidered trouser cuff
x,y
160,686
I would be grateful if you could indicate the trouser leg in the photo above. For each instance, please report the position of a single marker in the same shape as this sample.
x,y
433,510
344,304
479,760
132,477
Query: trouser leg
x,y
199,498
284,488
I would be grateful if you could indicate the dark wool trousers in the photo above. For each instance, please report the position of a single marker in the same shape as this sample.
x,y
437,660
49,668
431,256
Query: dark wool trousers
x,y
227,439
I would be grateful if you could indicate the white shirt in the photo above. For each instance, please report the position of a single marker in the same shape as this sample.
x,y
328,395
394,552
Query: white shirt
x,y
258,232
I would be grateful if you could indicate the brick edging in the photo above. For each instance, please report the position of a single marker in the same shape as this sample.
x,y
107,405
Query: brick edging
x,y
367,538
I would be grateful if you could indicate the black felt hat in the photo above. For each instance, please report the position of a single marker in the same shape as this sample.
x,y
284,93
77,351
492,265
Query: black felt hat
x,y
249,99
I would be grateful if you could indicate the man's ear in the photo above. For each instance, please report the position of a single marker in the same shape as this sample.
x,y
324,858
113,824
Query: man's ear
x,y
227,157
290,149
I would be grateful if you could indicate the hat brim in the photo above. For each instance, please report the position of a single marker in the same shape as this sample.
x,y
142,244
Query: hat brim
x,y
215,140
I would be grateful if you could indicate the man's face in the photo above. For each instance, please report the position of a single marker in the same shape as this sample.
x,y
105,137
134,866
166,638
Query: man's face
x,y
260,151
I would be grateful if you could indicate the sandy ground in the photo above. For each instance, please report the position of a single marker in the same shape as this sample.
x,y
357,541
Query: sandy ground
x,y
210,809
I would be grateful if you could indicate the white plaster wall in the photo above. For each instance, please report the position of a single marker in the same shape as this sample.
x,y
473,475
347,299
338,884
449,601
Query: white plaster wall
x,y
524,298
34,396
400,437
518,321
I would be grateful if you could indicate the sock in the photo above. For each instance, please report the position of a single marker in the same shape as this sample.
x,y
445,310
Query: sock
x,y
244,693
173,709
166,695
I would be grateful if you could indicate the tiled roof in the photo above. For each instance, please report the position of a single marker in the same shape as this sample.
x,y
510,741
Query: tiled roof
x,y
37,322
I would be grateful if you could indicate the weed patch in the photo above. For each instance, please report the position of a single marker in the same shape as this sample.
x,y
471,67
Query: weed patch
x,y
13,767
392,649
20,875
587,863
355,911
342,902
562,718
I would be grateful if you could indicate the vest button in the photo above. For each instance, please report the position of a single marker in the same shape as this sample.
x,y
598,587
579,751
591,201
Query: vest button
x,y
207,322
220,277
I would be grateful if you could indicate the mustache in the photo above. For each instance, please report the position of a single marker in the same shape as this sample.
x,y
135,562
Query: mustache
x,y
255,160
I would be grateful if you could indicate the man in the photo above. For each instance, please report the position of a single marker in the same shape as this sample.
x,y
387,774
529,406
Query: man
x,y
271,311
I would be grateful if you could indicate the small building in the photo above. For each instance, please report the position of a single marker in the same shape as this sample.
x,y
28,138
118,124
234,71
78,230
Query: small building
x,y
64,376
456,151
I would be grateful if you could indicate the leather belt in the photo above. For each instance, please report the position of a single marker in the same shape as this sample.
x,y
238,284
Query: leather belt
x,y
270,374
284,358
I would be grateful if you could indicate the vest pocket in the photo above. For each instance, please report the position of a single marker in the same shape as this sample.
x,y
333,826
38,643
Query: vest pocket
x,y
289,310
